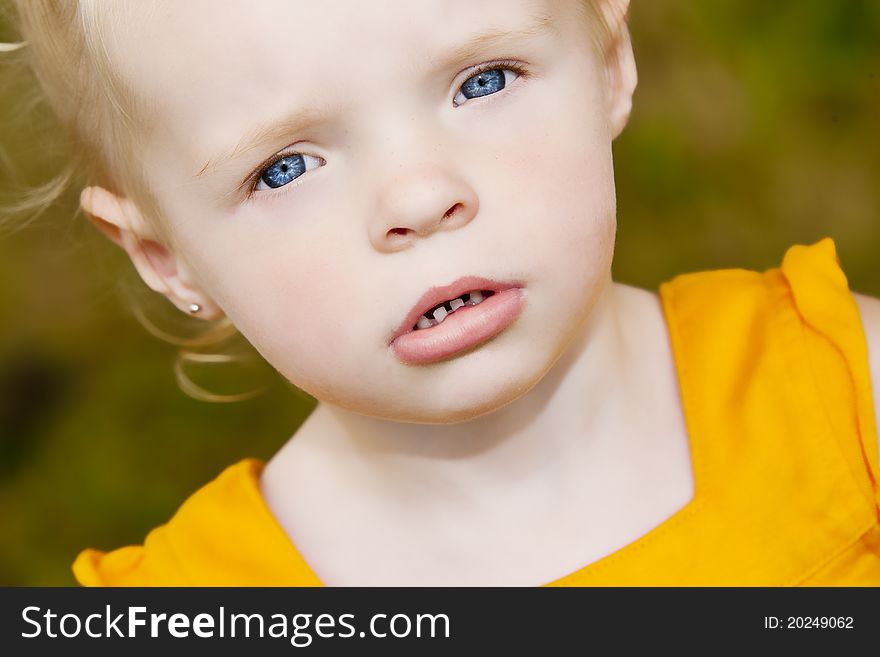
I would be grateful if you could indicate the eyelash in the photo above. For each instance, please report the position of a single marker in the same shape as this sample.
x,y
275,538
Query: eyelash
x,y
252,182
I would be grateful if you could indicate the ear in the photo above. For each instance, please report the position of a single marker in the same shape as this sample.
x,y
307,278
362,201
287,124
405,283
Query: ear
x,y
157,264
620,66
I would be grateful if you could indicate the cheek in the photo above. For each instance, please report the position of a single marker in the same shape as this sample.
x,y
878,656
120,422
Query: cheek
x,y
298,306
292,297
558,180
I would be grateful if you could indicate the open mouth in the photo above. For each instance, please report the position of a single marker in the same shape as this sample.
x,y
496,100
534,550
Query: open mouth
x,y
450,320
438,303
441,311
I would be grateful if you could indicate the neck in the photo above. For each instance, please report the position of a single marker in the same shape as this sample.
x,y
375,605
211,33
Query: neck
x,y
558,432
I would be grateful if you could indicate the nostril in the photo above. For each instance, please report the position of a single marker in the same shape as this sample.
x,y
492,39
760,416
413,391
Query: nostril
x,y
403,231
451,211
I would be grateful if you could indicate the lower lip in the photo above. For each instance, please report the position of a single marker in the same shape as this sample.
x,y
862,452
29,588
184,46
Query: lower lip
x,y
464,329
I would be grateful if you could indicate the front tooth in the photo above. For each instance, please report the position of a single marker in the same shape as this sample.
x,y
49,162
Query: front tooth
x,y
476,297
456,303
440,314
424,322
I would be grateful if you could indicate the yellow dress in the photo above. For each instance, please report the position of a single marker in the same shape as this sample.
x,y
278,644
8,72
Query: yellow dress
x,y
774,378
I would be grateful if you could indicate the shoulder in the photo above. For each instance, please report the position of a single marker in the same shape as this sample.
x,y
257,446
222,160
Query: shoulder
x,y
223,535
869,308
125,566
220,535
749,312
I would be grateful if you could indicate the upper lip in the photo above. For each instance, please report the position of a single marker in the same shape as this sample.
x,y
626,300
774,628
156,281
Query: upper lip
x,y
437,295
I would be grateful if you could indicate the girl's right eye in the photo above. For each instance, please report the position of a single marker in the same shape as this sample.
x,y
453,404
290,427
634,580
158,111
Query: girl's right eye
x,y
285,169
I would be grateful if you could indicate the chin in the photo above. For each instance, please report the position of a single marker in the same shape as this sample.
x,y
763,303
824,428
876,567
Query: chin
x,y
485,390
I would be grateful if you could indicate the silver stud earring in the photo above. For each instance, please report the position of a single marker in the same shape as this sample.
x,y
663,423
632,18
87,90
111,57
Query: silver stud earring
x,y
194,308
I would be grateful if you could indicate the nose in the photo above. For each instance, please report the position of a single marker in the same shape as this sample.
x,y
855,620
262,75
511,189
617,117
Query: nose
x,y
419,201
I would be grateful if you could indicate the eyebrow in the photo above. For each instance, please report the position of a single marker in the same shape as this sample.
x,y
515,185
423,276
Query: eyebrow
x,y
302,119
478,43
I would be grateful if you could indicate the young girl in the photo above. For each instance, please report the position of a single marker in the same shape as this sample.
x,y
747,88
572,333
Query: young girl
x,y
408,208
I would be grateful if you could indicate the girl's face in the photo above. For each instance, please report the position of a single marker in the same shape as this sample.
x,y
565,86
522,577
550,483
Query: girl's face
x,y
401,171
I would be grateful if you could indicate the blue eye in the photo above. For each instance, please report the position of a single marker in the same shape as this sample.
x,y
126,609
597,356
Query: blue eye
x,y
488,81
284,170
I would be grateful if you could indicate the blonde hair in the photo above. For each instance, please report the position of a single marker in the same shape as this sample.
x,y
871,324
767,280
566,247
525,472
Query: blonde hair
x,y
66,52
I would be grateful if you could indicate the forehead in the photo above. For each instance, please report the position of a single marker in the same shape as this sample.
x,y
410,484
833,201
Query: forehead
x,y
204,31
198,42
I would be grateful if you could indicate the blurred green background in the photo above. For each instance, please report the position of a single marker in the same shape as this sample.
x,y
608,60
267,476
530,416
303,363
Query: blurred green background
x,y
754,128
